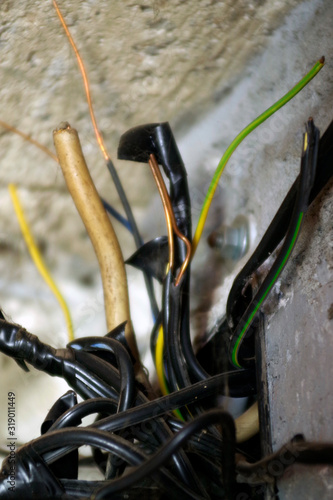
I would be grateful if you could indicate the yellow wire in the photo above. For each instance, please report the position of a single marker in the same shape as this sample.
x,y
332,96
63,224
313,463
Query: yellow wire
x,y
160,371
38,260
159,362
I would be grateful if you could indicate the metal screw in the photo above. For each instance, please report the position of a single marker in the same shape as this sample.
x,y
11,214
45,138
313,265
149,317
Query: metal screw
x,y
232,241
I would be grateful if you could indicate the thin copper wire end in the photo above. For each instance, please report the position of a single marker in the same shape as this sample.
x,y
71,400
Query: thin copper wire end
x,y
85,82
27,138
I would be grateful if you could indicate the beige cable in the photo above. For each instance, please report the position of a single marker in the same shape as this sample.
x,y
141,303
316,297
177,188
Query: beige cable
x,y
247,425
99,228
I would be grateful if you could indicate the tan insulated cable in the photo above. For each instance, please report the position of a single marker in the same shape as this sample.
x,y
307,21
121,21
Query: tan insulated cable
x,y
247,425
99,228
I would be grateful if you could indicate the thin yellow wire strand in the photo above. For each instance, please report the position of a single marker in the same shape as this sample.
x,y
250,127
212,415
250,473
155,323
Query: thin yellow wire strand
x,y
38,260
159,362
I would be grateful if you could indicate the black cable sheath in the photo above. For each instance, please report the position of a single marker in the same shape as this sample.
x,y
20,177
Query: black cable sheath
x,y
242,381
108,374
306,177
173,334
164,453
88,375
107,345
76,436
277,228
124,362
83,409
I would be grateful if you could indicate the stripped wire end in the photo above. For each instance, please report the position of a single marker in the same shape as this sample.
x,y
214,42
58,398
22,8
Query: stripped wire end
x,y
85,83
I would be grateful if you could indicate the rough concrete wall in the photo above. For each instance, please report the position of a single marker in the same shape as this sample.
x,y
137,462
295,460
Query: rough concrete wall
x,y
207,67
147,61
298,351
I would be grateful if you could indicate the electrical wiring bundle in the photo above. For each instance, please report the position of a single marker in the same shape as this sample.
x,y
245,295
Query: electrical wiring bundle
x,y
146,440
145,444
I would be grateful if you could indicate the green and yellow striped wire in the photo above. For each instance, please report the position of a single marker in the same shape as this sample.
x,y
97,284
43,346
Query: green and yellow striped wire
x,y
240,137
235,351
308,167
207,202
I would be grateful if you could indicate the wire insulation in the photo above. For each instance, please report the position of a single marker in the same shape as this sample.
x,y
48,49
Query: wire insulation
x,y
307,175
99,228
240,137
38,259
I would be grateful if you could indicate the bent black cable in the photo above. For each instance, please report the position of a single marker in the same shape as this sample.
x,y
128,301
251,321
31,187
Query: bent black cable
x,y
109,375
126,371
277,228
23,346
175,374
74,436
164,453
243,383
74,415
88,375
307,174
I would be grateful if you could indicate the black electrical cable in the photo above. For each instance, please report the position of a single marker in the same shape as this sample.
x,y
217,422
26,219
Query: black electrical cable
x,y
77,436
174,355
204,443
173,333
168,156
74,415
126,371
108,374
82,490
137,144
164,453
106,345
88,375
23,346
242,381
175,374
277,228
243,330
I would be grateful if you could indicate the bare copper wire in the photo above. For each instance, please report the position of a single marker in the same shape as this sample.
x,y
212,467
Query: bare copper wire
x,y
104,150
166,204
29,139
85,82
170,215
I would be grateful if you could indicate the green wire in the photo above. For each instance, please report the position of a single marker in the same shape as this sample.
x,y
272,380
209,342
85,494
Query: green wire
x,y
234,355
307,173
240,137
